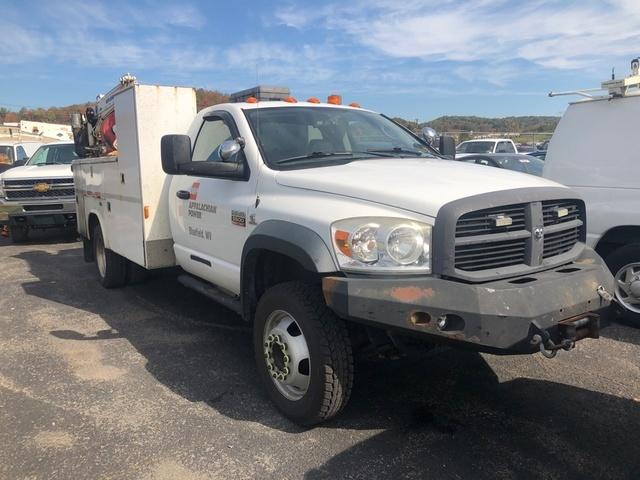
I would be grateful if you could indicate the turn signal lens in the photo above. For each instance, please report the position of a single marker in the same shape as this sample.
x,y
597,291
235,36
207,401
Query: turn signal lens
x,y
342,242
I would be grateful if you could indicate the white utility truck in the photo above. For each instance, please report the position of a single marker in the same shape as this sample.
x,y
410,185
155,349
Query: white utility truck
x,y
329,228
595,151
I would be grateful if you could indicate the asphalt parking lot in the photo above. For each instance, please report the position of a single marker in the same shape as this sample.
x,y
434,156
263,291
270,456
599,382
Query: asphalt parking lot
x,y
155,382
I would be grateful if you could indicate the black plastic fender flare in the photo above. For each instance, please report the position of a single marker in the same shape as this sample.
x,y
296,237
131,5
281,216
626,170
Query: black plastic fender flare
x,y
286,238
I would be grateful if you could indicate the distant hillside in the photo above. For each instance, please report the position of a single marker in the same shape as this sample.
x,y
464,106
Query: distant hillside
x,y
204,98
506,124
465,128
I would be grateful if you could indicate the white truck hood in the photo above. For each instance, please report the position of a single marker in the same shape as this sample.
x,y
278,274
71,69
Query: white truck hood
x,y
420,185
34,171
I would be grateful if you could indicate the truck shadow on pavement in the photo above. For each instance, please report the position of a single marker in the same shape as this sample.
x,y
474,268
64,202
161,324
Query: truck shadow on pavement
x,y
447,415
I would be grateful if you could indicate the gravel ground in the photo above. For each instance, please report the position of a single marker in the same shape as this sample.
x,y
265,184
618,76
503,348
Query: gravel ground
x,y
155,382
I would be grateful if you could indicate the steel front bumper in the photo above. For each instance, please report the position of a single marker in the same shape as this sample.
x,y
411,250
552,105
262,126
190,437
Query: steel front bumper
x,y
563,304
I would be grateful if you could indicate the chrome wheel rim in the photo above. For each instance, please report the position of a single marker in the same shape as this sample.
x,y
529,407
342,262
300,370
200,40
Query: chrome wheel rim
x,y
101,259
628,287
286,355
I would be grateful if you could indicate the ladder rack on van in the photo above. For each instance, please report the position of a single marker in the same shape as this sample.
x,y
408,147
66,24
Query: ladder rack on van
x,y
615,87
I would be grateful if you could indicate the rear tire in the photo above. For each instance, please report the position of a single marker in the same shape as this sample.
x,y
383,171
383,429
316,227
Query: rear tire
x,y
111,267
18,233
624,264
325,341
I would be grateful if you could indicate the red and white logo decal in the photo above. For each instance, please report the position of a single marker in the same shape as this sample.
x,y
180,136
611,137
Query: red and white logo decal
x,y
194,191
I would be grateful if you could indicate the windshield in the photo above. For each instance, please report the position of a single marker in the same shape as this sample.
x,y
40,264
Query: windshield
x,y
6,154
475,147
53,155
314,136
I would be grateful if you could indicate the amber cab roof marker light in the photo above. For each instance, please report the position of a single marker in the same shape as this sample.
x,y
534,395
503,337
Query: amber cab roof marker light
x,y
252,100
290,100
313,100
334,99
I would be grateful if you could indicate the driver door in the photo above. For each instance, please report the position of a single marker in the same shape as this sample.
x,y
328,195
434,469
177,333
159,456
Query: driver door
x,y
209,222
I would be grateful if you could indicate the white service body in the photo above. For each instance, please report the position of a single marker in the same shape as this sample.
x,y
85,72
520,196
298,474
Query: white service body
x,y
127,192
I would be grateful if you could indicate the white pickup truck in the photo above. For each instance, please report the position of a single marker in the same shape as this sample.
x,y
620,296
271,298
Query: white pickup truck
x,y
40,194
486,145
329,227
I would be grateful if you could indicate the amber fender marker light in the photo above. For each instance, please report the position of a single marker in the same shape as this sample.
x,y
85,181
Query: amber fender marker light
x,y
342,241
146,211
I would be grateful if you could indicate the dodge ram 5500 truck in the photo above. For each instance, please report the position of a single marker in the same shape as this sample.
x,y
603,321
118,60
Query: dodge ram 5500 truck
x,y
330,226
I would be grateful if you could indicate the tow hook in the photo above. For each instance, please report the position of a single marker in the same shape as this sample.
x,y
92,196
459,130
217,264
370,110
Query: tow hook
x,y
606,296
548,348
566,333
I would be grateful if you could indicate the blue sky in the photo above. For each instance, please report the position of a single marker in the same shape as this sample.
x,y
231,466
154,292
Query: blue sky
x,y
416,59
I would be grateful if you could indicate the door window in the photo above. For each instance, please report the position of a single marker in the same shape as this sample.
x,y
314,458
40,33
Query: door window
x,y
505,147
21,154
213,133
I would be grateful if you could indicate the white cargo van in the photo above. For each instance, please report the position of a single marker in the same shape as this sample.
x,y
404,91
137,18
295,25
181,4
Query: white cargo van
x,y
595,151
330,227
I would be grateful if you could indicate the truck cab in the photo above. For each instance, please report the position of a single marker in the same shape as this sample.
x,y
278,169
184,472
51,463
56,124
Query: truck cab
x,y
327,227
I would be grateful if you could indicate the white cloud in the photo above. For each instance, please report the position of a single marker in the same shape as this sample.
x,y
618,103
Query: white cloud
x,y
553,34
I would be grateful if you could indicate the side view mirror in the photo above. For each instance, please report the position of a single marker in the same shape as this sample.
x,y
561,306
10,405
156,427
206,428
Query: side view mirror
x,y
447,147
175,151
429,134
229,148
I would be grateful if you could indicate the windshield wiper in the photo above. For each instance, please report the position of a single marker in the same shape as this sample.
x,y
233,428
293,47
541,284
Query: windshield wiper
x,y
327,154
397,150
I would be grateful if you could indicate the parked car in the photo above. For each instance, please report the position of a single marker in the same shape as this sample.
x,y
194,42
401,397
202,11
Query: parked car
x,y
486,145
510,161
39,194
607,177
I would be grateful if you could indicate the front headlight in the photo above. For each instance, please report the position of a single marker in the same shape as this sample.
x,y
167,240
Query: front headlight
x,y
382,245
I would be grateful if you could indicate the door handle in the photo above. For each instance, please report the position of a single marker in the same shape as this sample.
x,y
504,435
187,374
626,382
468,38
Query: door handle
x,y
183,194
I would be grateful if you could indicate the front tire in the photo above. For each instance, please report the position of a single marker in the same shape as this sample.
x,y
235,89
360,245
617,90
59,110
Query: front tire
x,y
624,264
111,267
303,353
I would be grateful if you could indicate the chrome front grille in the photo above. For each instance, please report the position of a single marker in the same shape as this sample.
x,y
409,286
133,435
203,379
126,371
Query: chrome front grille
x,y
520,235
39,189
